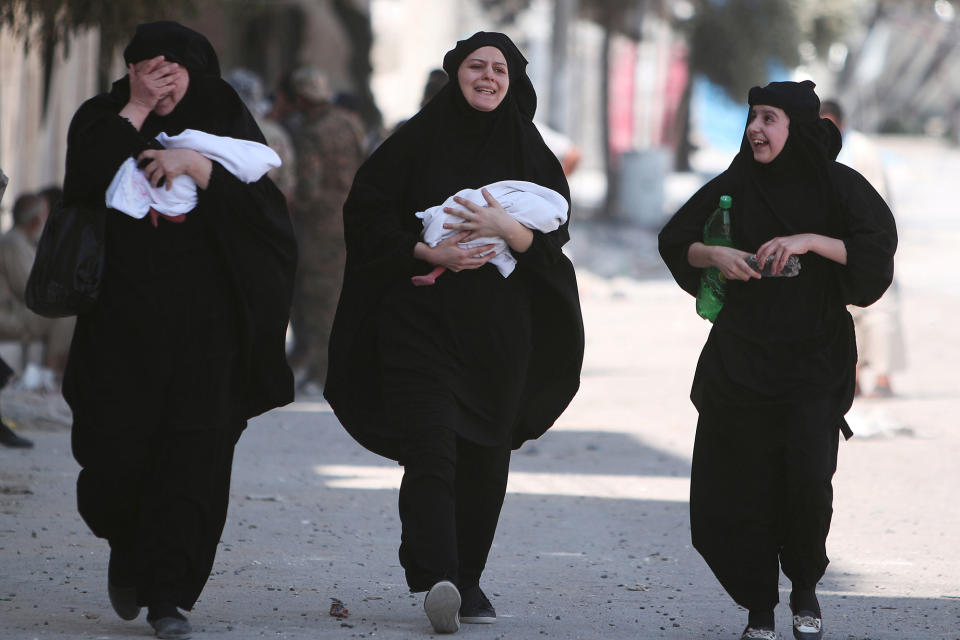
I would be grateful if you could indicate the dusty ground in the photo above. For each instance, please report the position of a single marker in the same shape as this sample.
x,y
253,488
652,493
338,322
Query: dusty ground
x,y
594,539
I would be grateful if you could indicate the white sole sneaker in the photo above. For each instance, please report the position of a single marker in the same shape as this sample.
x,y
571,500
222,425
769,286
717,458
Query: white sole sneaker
x,y
442,606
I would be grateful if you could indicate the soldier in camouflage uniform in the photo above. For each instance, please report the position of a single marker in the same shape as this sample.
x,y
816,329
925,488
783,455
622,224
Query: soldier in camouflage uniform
x,y
330,149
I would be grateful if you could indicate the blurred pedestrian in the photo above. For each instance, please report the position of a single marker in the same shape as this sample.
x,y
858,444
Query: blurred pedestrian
x,y
7,437
880,345
447,379
777,373
186,340
18,247
330,148
249,86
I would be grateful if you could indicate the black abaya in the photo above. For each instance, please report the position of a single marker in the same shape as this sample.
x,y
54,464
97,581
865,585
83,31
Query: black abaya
x,y
186,341
447,379
776,375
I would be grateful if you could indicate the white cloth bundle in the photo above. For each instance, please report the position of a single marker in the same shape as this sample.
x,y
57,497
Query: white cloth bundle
x,y
131,192
531,205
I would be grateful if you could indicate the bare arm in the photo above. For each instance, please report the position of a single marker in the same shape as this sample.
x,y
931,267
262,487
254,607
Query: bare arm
x,y
731,262
783,247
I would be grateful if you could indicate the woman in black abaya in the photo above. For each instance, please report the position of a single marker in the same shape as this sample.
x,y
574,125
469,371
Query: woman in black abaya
x,y
777,373
187,339
447,379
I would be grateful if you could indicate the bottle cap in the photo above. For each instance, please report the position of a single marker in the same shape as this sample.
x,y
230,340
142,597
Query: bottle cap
x,y
725,202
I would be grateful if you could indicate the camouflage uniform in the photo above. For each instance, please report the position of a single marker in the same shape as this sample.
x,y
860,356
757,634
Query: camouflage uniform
x,y
330,149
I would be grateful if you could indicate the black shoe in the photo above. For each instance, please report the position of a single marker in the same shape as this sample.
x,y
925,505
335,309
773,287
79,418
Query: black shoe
x,y
9,439
172,628
169,623
807,626
476,608
124,601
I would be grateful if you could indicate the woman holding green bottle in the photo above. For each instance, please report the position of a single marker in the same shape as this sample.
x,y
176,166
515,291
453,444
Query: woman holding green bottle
x,y
776,376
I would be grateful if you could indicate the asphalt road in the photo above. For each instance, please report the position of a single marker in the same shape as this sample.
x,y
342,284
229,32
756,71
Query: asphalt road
x,y
594,537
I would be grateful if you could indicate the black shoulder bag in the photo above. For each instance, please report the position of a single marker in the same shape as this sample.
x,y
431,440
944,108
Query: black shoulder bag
x,y
65,278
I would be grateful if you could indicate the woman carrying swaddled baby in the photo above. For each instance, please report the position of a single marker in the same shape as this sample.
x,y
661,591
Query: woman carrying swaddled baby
x,y
186,341
447,379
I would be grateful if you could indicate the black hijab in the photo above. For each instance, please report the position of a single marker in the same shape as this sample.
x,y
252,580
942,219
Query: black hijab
x,y
795,188
210,103
460,147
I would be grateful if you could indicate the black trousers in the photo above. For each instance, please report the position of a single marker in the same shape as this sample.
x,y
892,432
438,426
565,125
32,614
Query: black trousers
x,y
162,506
450,500
761,497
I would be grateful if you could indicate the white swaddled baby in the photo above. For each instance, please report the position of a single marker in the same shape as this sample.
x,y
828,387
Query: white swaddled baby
x,y
131,192
531,205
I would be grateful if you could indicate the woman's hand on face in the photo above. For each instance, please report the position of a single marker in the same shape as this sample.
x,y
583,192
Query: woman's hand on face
x,y
781,248
167,164
732,263
450,255
150,80
479,222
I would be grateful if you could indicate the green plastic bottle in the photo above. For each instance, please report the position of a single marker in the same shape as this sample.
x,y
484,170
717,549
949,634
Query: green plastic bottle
x,y
713,284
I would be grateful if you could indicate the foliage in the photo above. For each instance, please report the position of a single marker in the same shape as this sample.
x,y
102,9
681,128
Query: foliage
x,y
52,22
732,43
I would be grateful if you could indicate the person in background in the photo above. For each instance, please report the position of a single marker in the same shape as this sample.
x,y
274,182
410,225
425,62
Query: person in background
x,y
447,379
330,149
249,86
880,345
18,246
186,341
777,374
562,146
7,437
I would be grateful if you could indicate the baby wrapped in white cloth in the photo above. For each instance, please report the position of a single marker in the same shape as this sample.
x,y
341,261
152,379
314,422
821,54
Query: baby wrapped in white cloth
x,y
531,205
131,192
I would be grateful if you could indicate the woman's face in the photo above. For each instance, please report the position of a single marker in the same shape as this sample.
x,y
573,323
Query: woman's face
x,y
767,132
484,79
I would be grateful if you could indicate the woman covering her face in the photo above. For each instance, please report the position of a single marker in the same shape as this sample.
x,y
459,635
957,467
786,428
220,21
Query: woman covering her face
x,y
777,373
447,379
186,342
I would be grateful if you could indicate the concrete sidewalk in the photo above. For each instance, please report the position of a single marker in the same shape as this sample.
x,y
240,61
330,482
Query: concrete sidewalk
x,y
594,537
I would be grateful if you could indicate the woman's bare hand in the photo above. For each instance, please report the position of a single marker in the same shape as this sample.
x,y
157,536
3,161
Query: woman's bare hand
x,y
479,221
450,255
732,263
781,248
167,164
491,221
151,80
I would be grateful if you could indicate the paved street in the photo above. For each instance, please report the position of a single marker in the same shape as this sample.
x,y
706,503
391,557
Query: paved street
x,y
594,538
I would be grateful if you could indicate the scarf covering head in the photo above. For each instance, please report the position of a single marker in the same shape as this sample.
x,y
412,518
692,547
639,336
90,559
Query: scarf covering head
x,y
795,187
210,104
458,147
176,43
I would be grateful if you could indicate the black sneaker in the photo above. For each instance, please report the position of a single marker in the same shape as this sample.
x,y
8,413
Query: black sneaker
x,y
476,608
9,439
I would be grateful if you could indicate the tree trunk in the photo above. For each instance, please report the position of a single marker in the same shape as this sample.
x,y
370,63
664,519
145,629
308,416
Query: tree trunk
x,y
610,164
558,114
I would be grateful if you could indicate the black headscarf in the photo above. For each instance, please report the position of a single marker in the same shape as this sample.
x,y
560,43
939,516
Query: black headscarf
x,y
795,187
459,143
210,103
